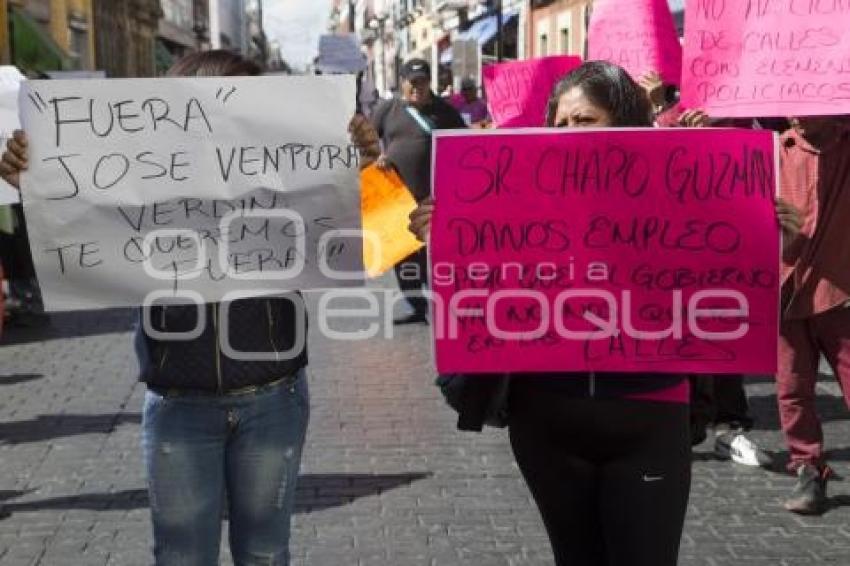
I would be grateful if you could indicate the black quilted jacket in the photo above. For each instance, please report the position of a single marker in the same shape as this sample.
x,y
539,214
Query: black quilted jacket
x,y
264,330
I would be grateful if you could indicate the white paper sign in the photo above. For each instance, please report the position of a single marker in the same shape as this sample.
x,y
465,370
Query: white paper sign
x,y
340,54
10,83
195,188
66,75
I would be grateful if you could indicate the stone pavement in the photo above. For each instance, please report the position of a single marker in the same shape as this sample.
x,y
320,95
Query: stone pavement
x,y
386,478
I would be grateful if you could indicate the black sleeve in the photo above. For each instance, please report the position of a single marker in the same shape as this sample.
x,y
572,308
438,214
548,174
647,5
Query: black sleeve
x,y
450,118
378,116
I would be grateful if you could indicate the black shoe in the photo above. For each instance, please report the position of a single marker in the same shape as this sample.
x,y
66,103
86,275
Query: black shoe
x,y
415,318
809,495
698,435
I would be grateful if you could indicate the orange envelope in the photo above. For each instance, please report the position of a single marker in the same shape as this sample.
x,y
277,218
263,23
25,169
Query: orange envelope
x,y
386,204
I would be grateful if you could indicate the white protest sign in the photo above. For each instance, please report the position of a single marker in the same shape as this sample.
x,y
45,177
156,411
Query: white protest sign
x,y
194,188
10,83
340,53
65,75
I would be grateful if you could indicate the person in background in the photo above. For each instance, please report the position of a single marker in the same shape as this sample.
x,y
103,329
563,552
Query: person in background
x,y
24,305
404,124
472,108
718,401
814,179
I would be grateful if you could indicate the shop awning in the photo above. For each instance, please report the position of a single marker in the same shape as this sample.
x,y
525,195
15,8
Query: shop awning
x,y
482,30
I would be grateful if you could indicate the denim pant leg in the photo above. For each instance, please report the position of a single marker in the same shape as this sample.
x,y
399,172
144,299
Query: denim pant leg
x,y
263,457
184,442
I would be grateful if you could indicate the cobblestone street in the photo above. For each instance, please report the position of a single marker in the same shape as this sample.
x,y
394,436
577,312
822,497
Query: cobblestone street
x,y
386,478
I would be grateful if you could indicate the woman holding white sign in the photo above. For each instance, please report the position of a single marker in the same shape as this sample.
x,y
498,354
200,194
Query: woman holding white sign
x,y
607,456
215,425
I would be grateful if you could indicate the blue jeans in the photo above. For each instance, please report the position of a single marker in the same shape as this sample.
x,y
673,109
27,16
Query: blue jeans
x,y
204,451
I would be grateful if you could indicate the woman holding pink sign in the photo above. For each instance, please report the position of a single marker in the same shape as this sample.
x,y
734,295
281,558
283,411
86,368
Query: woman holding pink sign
x,y
606,456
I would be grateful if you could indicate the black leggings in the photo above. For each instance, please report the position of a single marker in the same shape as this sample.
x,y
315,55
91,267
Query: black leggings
x,y
611,477
412,276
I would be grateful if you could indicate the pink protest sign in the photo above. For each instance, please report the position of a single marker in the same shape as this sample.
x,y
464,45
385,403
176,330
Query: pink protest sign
x,y
606,250
517,91
767,57
638,35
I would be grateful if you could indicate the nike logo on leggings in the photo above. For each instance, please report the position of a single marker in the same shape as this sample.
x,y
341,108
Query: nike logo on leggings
x,y
648,478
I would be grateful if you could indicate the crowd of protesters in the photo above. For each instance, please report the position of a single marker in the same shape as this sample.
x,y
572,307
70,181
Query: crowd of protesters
x,y
580,442
607,456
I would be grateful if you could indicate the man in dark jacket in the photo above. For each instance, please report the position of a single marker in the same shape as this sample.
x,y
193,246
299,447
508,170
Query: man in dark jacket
x,y
405,125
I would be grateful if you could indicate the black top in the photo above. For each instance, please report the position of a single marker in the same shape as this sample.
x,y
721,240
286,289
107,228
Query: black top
x,y
271,326
407,144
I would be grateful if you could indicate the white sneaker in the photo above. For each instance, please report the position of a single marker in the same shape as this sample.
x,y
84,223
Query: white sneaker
x,y
741,450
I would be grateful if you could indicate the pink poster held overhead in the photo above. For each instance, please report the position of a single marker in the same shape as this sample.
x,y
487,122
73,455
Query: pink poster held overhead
x,y
606,250
638,35
517,91
767,57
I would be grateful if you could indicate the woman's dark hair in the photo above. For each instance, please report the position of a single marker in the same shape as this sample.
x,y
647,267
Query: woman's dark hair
x,y
609,87
216,63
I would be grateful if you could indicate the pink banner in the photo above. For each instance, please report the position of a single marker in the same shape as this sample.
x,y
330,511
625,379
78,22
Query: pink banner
x,y
517,92
638,35
767,58
606,250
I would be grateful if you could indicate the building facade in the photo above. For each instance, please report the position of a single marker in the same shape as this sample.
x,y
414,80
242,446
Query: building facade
x,y
232,25
126,45
257,44
377,24
394,31
48,35
459,37
468,34
237,25
127,38
183,28
558,27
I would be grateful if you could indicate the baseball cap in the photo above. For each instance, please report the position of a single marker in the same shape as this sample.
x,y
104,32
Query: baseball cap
x,y
416,68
